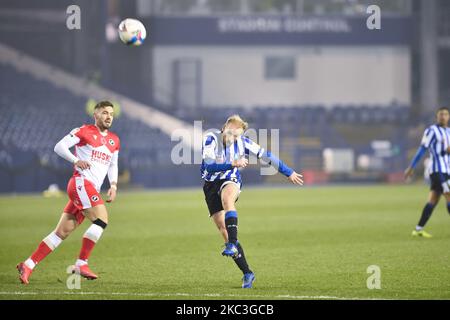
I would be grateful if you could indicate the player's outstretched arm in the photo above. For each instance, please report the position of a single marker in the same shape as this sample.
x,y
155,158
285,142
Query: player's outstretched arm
x,y
419,154
428,137
267,156
294,177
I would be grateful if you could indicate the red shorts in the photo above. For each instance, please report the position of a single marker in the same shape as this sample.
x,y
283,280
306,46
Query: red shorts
x,y
82,195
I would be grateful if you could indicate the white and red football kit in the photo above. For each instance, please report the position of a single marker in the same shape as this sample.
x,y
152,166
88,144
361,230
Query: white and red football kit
x,y
101,150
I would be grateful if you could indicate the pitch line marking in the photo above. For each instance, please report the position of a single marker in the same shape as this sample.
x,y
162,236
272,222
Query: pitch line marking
x,y
179,294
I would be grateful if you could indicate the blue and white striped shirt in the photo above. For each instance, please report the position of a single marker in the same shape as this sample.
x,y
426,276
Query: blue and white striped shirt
x,y
214,151
437,139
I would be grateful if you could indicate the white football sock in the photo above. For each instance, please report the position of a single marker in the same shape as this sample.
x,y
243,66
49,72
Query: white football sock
x,y
94,232
52,240
30,263
80,262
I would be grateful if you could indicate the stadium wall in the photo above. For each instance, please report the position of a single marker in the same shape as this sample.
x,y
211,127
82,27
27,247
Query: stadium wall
x,y
322,75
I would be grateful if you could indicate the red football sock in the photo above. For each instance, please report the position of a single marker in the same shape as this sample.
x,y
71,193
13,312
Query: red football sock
x,y
47,245
90,238
86,249
41,252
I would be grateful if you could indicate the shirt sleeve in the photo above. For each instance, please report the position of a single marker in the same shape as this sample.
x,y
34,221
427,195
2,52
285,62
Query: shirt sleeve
x,y
277,163
113,170
208,149
252,147
62,148
267,156
428,138
209,156
419,154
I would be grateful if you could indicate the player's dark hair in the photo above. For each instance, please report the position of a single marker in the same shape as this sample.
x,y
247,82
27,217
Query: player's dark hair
x,y
103,104
443,109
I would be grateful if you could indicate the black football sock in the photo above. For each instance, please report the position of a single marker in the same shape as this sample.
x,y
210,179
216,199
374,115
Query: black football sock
x,y
240,260
448,207
426,214
231,222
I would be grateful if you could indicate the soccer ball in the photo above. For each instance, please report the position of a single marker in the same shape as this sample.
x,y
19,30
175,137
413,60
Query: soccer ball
x,y
132,32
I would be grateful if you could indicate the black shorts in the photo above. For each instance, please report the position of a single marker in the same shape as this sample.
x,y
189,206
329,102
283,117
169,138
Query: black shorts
x,y
439,182
212,190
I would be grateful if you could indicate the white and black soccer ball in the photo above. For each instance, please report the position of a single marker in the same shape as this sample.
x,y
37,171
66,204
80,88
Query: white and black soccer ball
x,y
132,32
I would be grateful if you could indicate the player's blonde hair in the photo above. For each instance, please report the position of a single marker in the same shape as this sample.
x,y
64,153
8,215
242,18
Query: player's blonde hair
x,y
235,118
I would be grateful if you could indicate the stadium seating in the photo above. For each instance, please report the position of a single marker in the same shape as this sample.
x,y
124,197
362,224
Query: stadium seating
x,y
320,124
36,114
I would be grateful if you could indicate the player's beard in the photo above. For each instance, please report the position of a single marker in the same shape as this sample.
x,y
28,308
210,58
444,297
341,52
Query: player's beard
x,y
103,125
107,125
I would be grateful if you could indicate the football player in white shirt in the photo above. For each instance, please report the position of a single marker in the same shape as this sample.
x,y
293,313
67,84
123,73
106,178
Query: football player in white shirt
x,y
96,156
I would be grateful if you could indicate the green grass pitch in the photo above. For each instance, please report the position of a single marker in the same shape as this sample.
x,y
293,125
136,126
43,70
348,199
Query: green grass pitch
x,y
302,243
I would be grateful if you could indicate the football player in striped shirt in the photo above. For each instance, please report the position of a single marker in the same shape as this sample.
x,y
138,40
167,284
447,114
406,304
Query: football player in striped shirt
x,y
436,139
224,153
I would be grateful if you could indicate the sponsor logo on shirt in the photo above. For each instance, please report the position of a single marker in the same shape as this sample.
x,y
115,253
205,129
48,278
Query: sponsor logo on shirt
x,y
100,157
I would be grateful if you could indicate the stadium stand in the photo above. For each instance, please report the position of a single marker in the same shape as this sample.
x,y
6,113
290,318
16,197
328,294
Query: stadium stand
x,y
50,102
33,119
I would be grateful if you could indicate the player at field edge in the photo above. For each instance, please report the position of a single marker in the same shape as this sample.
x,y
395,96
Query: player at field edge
x,y
223,154
96,155
436,139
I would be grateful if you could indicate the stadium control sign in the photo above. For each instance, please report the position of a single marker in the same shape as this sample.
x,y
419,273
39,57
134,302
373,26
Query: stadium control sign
x,y
279,30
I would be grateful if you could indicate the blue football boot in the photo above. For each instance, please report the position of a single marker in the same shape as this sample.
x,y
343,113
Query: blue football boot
x,y
247,280
230,250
